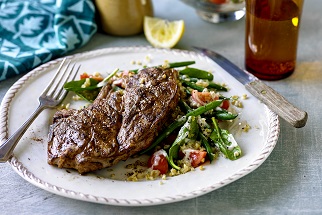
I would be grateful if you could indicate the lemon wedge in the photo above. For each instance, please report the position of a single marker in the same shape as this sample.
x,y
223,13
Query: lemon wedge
x,y
162,33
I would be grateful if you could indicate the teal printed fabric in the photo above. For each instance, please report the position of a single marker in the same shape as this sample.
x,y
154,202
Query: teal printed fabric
x,y
33,32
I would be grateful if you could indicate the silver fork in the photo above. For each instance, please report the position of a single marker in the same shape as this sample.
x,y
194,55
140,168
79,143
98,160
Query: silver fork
x,y
52,96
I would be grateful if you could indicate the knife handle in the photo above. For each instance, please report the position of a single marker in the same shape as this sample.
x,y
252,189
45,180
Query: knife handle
x,y
277,103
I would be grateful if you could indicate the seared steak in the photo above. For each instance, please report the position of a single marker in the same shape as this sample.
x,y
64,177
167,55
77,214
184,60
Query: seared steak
x,y
149,100
117,125
81,139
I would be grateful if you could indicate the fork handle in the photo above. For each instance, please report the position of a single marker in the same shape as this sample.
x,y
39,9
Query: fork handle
x,y
8,146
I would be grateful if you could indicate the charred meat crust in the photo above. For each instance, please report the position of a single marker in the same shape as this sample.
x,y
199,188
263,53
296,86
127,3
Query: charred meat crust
x,y
85,136
147,108
117,125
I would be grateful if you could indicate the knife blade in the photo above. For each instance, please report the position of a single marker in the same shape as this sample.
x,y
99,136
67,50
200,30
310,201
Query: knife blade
x,y
276,102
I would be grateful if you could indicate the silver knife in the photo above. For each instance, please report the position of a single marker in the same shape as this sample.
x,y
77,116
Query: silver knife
x,y
257,88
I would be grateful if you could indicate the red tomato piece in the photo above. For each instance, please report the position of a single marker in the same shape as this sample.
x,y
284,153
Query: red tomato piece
x,y
158,161
203,97
218,1
84,76
196,157
225,104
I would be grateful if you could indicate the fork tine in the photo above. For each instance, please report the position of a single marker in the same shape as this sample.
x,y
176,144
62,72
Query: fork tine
x,y
62,81
73,78
54,78
73,72
59,81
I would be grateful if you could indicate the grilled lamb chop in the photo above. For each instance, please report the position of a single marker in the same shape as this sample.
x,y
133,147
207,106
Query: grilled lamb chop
x,y
116,125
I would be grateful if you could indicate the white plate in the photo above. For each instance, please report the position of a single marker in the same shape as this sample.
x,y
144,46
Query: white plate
x,y
30,156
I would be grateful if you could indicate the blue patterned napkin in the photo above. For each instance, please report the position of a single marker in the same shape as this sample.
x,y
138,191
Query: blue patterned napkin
x,y
33,32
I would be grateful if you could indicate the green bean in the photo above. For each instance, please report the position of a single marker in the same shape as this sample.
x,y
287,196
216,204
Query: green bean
x,y
196,73
223,97
181,64
173,126
217,87
185,106
193,127
211,85
206,144
172,65
192,85
187,91
205,108
224,115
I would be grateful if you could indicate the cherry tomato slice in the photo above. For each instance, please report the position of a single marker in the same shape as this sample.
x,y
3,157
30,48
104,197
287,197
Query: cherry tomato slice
x,y
84,76
196,157
158,161
225,104
218,1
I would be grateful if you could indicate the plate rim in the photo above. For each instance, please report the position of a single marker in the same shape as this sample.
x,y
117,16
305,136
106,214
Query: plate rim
x,y
273,134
